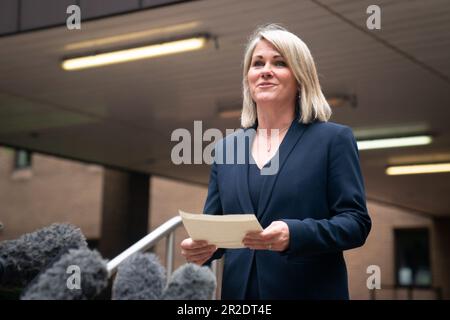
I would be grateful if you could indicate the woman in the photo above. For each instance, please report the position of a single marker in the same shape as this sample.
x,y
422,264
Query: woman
x,y
312,208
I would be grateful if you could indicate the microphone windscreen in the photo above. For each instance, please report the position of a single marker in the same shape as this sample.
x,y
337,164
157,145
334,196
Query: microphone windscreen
x,y
140,277
22,259
77,275
191,282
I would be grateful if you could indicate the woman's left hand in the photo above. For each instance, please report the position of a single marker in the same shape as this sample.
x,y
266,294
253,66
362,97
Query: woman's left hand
x,y
275,237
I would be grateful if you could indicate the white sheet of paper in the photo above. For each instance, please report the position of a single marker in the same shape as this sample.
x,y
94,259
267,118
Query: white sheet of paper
x,y
224,231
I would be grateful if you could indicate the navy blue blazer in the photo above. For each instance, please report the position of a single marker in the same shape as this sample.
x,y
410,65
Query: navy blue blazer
x,y
318,191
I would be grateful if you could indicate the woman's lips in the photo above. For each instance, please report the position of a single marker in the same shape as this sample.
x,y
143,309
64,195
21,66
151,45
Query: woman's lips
x,y
266,85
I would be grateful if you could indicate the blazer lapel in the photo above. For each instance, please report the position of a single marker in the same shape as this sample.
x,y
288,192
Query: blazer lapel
x,y
242,177
293,135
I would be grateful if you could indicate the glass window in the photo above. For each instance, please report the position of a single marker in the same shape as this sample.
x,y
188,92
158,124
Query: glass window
x,y
22,159
412,257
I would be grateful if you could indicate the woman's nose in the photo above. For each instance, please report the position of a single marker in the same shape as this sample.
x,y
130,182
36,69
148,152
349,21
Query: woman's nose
x,y
267,70
266,73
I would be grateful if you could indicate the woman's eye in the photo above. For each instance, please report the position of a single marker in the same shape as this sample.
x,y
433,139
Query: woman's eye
x,y
278,63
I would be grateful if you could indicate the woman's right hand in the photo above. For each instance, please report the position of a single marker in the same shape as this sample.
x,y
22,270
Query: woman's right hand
x,y
197,251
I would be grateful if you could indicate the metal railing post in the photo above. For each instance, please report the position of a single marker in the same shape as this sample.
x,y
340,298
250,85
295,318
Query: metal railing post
x,y
214,269
170,246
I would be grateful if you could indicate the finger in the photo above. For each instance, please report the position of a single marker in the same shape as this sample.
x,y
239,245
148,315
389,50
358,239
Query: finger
x,y
201,258
258,243
255,243
268,237
194,244
270,233
196,255
204,260
201,262
253,234
198,244
186,243
262,247
191,252
208,248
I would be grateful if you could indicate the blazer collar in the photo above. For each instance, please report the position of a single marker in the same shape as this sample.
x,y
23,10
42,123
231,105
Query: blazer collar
x,y
292,137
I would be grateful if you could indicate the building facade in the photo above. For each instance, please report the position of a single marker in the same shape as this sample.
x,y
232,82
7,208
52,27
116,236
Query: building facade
x,y
405,256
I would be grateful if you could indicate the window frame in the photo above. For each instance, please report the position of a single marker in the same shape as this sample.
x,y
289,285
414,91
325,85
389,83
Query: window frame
x,y
397,233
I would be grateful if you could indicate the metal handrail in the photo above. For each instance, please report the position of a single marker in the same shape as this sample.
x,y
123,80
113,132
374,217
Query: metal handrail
x,y
166,229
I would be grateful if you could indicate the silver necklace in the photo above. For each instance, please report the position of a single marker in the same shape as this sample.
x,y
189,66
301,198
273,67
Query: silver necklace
x,y
269,139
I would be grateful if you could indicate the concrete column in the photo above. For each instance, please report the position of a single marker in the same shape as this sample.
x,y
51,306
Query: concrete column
x,y
125,210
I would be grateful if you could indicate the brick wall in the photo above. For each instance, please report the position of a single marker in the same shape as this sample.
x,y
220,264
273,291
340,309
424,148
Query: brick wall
x,y
57,191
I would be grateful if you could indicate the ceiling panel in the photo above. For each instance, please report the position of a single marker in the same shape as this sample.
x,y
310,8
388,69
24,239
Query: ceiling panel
x,y
123,115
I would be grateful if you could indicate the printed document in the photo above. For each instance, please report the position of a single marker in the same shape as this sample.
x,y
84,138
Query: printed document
x,y
224,231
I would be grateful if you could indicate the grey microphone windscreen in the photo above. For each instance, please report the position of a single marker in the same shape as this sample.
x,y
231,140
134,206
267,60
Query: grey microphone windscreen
x,y
22,259
140,277
79,274
191,282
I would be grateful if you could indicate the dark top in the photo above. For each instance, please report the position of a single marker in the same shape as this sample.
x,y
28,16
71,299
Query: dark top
x,y
255,181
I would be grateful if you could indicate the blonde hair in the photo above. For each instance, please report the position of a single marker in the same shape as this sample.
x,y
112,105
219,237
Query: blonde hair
x,y
313,105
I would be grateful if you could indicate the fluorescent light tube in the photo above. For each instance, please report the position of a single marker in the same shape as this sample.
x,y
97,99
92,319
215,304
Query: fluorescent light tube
x,y
133,54
393,142
418,169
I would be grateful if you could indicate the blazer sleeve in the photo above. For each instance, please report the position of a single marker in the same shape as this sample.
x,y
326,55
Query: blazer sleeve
x,y
349,223
213,205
